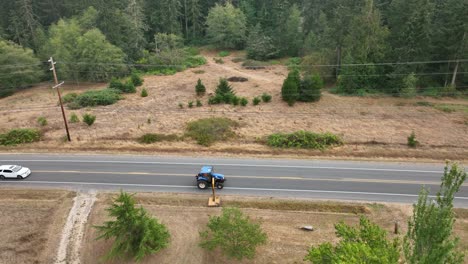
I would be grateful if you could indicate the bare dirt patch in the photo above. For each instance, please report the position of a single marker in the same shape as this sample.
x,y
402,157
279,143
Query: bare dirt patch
x,y
186,215
31,222
371,127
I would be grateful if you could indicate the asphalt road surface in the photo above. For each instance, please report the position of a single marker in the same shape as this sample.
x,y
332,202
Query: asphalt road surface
x,y
317,179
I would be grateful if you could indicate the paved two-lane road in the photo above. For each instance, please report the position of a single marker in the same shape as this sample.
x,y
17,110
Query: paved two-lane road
x,y
344,180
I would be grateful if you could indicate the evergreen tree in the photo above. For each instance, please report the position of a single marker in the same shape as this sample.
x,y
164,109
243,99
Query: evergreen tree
x,y
200,88
164,16
135,233
195,18
137,42
23,24
429,238
310,90
290,88
226,26
292,39
224,88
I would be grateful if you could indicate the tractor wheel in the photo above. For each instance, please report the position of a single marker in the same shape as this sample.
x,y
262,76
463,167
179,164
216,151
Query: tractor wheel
x,y
220,186
202,184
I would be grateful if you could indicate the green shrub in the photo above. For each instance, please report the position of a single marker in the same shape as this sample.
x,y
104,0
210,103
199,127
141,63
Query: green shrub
x,y
115,84
68,98
194,61
136,79
89,119
409,86
42,121
224,53
74,118
20,136
6,92
200,89
256,100
234,233
218,60
190,104
181,106
199,103
244,101
153,138
235,100
95,98
266,97
217,99
412,142
144,92
209,130
449,91
304,139
127,87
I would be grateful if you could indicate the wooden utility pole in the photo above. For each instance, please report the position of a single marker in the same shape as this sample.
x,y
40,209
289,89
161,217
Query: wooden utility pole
x,y
57,86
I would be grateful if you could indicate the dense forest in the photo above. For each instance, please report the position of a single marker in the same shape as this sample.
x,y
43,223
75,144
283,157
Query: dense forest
x,y
390,46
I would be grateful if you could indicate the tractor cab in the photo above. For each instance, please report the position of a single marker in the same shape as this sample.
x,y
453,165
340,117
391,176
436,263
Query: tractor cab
x,y
205,176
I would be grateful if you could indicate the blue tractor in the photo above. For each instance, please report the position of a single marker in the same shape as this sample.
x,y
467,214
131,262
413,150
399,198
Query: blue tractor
x,y
205,176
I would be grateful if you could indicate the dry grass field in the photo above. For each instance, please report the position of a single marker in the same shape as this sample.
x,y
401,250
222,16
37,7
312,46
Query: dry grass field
x,y
371,127
31,224
186,215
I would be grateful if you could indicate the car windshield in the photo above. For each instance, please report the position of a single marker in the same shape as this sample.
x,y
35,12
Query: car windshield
x,y
16,168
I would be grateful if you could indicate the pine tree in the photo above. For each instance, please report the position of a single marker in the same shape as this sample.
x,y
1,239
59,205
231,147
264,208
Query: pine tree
x,y
292,35
134,232
200,88
430,238
134,12
310,90
290,89
224,88
24,24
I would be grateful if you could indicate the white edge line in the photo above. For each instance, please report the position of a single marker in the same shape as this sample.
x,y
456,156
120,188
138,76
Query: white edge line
x,y
225,164
228,188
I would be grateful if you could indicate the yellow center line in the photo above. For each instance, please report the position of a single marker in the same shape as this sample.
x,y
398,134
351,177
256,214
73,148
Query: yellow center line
x,y
290,178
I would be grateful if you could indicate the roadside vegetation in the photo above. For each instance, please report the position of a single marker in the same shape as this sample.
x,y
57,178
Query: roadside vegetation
x,y
304,139
20,136
209,130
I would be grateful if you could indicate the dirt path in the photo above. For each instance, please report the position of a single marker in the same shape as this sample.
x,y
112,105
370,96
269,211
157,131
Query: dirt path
x,y
73,231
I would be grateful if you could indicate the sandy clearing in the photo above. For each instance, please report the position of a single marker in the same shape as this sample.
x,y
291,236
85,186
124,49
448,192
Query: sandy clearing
x,y
72,234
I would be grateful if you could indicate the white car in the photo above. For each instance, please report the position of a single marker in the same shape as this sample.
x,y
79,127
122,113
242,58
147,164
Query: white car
x,y
13,171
